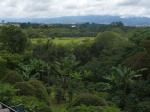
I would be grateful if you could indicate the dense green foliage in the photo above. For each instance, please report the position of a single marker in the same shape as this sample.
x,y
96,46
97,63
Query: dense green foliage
x,y
89,99
12,77
7,92
84,108
13,39
31,104
108,73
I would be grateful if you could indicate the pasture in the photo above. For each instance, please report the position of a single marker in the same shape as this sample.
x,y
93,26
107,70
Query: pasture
x,y
64,40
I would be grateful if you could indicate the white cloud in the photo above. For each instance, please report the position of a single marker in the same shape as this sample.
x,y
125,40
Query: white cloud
x,y
54,8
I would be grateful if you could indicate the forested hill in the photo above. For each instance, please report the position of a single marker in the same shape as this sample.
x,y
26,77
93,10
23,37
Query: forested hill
x,y
129,21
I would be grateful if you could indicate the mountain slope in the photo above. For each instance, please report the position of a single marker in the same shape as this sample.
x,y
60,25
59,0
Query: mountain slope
x,y
131,21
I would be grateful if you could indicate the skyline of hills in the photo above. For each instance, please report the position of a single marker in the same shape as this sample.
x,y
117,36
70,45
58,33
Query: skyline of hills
x,y
129,21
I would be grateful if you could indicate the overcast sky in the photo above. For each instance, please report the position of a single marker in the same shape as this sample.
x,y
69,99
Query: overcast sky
x,y
55,8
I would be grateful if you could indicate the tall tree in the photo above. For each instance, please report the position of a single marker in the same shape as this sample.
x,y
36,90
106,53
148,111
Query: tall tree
x,y
13,39
122,78
68,75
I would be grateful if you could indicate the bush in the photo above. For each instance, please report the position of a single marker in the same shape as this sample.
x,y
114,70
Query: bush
x,y
143,106
12,77
89,99
33,88
110,109
12,60
40,90
31,104
25,89
6,93
84,108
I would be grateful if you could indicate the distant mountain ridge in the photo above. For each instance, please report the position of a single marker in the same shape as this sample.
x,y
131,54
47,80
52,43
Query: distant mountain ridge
x,y
130,21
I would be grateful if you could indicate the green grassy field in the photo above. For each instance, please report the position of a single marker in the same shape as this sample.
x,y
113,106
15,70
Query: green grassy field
x,y
64,40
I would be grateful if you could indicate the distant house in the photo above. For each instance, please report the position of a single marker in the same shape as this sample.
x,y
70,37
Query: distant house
x,y
73,26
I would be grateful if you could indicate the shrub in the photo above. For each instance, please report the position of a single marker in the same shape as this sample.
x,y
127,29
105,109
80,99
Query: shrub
x,y
40,90
110,109
33,88
143,106
31,104
104,95
84,108
12,60
12,77
25,89
6,92
89,99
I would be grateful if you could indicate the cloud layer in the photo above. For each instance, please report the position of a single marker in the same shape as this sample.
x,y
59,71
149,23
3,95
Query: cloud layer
x,y
55,8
